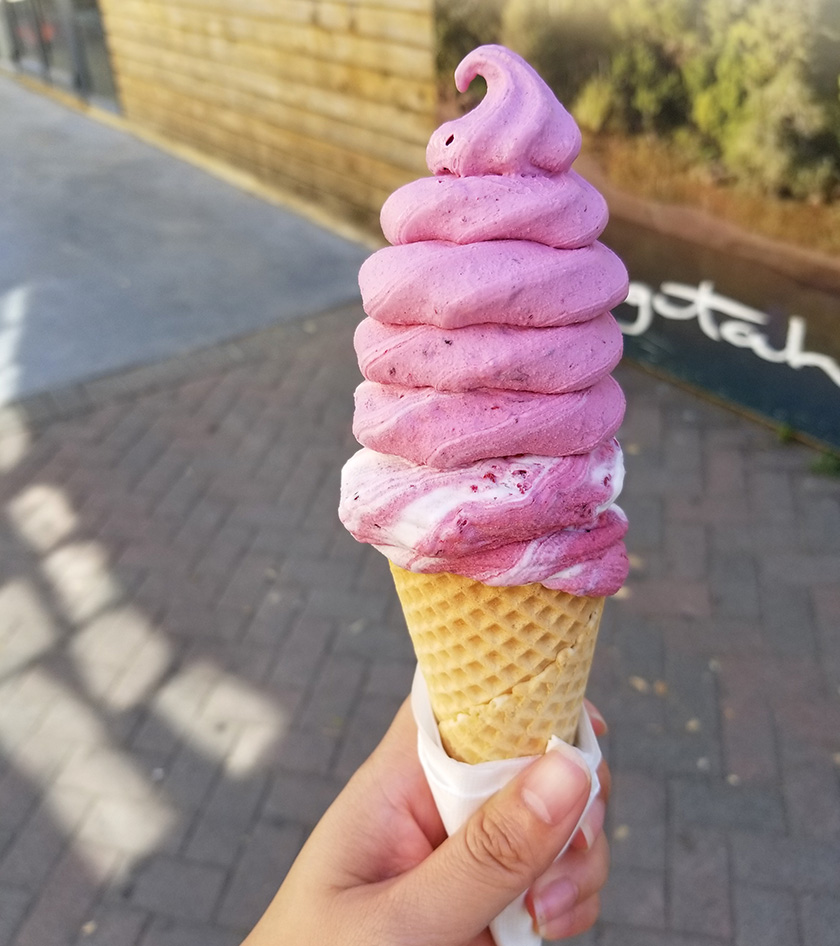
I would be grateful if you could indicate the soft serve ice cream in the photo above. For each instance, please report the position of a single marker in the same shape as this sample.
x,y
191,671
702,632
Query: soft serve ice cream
x,y
488,413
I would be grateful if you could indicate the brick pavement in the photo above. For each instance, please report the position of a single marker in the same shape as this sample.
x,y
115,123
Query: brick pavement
x,y
194,656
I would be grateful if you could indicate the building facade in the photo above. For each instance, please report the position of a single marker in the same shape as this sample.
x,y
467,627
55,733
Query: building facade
x,y
331,101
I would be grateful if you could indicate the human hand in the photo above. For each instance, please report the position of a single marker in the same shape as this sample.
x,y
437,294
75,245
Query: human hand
x,y
378,870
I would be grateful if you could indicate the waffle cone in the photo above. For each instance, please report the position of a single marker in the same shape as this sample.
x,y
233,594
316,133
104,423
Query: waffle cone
x,y
506,668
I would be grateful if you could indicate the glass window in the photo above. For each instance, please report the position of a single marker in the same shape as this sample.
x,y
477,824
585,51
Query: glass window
x,y
61,40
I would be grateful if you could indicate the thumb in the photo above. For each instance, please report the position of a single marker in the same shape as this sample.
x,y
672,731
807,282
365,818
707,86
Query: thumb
x,y
501,850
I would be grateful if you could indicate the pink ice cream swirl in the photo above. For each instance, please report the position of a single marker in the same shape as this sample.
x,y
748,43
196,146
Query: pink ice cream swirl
x,y
487,414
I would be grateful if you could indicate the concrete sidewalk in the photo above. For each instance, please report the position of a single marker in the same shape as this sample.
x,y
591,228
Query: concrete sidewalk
x,y
114,254
194,655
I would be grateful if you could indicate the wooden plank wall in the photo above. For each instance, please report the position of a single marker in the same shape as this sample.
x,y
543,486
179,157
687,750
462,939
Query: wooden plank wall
x,y
331,100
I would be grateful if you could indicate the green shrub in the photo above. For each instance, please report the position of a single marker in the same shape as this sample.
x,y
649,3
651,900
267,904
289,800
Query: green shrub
x,y
595,105
751,85
566,41
461,25
772,141
649,92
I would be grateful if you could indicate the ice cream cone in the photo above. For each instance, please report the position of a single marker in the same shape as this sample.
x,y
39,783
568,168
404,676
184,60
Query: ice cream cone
x,y
506,667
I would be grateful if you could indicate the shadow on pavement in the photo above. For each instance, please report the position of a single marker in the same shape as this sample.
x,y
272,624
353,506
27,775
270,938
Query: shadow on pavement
x,y
194,654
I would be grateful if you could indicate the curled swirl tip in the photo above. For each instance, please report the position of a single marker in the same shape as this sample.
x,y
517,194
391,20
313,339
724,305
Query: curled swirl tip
x,y
519,127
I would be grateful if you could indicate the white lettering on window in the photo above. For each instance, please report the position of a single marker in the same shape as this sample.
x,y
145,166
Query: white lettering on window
x,y
723,320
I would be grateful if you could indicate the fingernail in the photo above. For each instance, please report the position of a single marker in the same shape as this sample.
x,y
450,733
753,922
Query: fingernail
x,y
596,717
553,901
592,824
555,782
588,833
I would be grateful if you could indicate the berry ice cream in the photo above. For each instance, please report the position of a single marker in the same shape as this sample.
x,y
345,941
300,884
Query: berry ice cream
x,y
488,413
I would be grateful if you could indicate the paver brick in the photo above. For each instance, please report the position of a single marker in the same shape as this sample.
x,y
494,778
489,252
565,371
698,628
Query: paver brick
x,y
370,720
635,898
733,581
299,798
173,933
710,638
138,827
346,606
764,917
778,679
17,800
178,888
799,864
826,598
638,821
643,846
390,677
257,744
65,901
13,904
156,734
216,841
699,886
336,687
749,740
643,709
307,751
647,514
236,802
787,619
302,650
255,574
726,514
316,572
812,800
238,699
225,550
770,491
641,649
664,753
71,721
692,695
810,717
112,925
113,638
724,469
20,720
801,568
818,522
42,839
273,615
667,598
106,771
265,861
713,803
820,919
372,640
827,603
685,550
623,935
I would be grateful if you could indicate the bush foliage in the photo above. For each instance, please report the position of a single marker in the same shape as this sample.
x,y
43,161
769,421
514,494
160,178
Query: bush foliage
x,y
750,87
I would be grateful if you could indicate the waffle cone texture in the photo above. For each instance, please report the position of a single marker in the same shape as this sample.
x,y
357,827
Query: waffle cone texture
x,y
506,668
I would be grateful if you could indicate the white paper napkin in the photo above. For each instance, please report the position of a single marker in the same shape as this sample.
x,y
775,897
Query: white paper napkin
x,y
459,789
